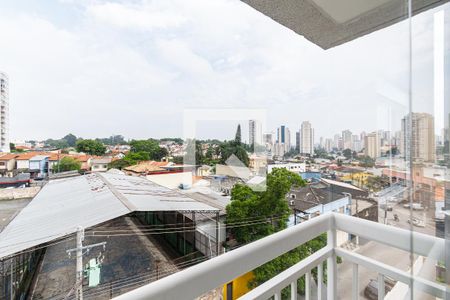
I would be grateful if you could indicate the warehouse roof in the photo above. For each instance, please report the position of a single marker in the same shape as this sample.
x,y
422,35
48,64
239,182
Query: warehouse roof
x,y
86,201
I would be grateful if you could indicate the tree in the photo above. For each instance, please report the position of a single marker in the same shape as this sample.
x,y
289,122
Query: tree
x,y
150,146
248,204
393,151
112,140
133,158
90,147
70,139
67,164
59,144
232,148
271,209
347,153
366,161
238,138
118,164
377,183
178,141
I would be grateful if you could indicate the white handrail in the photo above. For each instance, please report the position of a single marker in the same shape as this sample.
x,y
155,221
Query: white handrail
x,y
204,277
290,275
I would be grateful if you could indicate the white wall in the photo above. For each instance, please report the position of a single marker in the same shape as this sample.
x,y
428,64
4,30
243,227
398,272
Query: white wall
x,y
23,164
171,180
293,167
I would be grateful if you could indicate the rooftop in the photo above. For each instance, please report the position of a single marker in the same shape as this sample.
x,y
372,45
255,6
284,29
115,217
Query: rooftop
x,y
86,201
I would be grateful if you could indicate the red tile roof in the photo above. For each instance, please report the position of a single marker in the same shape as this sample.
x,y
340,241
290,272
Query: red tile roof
x,y
8,156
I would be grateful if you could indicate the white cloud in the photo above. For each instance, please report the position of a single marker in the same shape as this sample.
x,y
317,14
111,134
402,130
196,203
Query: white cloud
x,y
132,67
134,17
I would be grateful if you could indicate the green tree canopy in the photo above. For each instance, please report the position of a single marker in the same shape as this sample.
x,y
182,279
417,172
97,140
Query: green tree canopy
x,y
149,146
347,153
70,139
266,205
90,147
238,136
271,211
232,148
59,144
67,164
113,140
366,162
133,158
118,164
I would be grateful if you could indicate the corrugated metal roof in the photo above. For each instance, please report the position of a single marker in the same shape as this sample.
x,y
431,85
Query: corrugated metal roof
x,y
146,195
86,201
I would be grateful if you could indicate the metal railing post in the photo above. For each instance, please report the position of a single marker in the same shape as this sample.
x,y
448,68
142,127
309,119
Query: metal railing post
x,y
319,281
294,290
381,290
355,282
332,265
308,286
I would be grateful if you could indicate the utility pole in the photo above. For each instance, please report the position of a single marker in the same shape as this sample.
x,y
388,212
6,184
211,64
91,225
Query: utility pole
x,y
79,256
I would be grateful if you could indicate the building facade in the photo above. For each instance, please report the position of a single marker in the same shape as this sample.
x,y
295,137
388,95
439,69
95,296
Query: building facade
x,y
306,138
372,145
4,113
347,139
420,139
283,144
255,132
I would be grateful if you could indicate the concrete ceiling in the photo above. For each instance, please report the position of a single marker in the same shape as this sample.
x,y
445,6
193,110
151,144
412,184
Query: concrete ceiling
x,y
329,23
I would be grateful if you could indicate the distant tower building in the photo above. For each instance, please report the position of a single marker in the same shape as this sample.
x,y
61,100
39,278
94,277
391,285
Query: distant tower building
x,y
356,143
4,113
255,132
328,145
283,141
306,139
372,145
297,141
362,136
268,142
419,140
347,139
336,143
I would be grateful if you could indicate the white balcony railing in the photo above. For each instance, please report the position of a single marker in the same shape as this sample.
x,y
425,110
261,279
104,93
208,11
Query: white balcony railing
x,y
199,279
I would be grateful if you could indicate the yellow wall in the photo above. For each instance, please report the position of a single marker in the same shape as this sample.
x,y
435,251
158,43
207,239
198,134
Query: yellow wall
x,y
359,179
240,286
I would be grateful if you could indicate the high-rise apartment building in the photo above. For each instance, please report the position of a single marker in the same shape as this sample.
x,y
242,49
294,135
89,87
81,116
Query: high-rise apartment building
x,y
418,142
268,142
328,145
297,141
372,145
255,132
306,138
283,144
356,143
4,113
347,139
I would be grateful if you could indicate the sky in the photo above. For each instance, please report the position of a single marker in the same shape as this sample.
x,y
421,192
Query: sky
x,y
97,68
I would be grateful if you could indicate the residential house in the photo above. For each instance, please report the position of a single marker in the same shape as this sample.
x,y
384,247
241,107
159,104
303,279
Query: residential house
x,y
38,166
23,161
145,167
100,164
8,164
